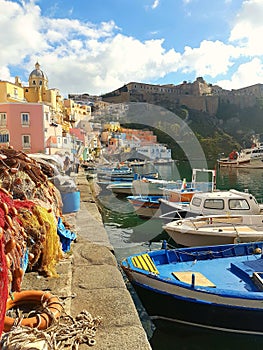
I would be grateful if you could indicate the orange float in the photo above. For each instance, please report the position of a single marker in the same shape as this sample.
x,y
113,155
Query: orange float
x,y
51,309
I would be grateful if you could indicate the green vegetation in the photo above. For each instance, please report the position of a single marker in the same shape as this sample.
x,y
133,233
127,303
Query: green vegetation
x,y
231,128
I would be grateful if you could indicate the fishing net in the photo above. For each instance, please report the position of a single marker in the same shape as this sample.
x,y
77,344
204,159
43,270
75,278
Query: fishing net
x,y
29,207
52,251
3,285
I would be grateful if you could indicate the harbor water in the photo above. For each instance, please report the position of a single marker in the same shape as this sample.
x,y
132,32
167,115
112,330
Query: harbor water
x,y
129,235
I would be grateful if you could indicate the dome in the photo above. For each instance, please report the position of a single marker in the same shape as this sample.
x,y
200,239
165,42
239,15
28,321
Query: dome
x,y
37,73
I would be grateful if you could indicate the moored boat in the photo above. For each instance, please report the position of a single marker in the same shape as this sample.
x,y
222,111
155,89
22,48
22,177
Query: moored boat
x,y
216,229
145,206
247,158
180,286
229,202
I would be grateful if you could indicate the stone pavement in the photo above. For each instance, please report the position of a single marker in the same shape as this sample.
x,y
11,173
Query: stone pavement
x,y
90,279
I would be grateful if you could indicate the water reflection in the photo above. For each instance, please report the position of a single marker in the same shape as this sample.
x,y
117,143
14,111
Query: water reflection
x,y
241,179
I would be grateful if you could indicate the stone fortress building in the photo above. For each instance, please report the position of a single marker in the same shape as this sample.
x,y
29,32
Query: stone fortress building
x,y
198,95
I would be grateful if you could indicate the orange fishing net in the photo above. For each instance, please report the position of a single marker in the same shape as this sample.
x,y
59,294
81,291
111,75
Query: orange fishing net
x,y
3,285
29,208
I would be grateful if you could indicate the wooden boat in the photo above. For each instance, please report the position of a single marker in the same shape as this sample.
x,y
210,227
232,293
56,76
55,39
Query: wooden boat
x,y
186,190
145,206
229,202
120,188
246,158
117,173
150,206
151,187
216,229
142,186
216,288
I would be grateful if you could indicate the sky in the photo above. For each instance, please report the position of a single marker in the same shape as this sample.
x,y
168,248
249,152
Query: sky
x,y
97,46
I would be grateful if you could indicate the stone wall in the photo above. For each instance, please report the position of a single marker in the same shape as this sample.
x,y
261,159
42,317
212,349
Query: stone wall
x,y
193,100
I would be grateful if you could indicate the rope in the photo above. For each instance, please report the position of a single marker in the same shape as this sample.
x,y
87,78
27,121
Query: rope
x,y
67,333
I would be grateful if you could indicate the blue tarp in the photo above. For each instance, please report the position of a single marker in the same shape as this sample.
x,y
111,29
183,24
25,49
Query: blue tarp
x,y
66,236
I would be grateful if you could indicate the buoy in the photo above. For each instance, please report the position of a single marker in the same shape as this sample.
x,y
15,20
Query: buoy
x,y
51,309
257,251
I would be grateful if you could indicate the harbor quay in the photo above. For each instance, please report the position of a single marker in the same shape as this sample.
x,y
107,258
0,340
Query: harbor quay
x,y
89,279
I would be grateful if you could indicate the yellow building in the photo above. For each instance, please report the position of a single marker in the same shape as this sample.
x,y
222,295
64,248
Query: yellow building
x,y
59,114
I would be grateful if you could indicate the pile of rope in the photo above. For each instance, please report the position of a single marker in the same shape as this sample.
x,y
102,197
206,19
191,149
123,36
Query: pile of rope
x,y
65,333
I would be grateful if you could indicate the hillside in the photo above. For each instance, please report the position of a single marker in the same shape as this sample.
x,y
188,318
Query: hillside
x,y
231,128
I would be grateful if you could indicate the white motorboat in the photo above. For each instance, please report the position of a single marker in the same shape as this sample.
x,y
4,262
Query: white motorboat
x,y
216,230
229,202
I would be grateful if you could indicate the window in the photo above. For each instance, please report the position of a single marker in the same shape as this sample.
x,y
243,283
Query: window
x,y
196,201
2,119
214,204
238,204
4,136
25,119
26,142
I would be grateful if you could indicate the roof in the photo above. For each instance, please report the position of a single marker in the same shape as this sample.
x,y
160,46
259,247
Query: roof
x,y
37,72
223,194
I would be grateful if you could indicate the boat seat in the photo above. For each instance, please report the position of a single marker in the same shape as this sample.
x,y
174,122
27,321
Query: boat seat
x,y
199,278
237,229
258,280
247,268
144,262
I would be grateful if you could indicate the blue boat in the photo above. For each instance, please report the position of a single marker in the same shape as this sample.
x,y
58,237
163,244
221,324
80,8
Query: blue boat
x,y
216,288
146,206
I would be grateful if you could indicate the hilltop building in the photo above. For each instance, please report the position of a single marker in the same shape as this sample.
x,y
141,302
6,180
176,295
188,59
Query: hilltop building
x,y
198,95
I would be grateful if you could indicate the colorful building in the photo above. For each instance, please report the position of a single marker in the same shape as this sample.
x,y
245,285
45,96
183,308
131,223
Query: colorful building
x,y
35,118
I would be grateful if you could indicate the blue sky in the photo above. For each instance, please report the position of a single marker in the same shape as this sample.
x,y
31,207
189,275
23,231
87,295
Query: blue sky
x,y
96,46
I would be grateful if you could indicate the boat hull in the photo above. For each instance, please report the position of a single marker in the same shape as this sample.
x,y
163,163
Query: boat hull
x,y
193,238
251,164
217,287
177,308
146,207
216,230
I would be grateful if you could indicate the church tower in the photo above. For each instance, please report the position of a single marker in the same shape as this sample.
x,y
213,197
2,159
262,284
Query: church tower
x,y
38,78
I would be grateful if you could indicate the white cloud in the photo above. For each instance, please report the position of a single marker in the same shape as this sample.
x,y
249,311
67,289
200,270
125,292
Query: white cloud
x,y
248,29
19,31
5,74
155,4
113,63
95,58
247,74
246,35
211,58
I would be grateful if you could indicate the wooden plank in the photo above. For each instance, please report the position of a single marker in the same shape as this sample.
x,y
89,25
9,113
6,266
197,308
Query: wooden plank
x,y
199,278
144,262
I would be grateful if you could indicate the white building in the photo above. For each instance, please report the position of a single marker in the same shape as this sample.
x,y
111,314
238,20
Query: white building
x,y
155,152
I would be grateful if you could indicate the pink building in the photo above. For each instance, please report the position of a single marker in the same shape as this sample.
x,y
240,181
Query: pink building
x,y
22,126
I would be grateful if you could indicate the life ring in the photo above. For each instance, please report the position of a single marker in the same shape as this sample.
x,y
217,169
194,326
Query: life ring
x,y
51,310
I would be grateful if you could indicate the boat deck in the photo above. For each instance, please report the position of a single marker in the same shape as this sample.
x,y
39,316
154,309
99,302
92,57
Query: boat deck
x,y
238,275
